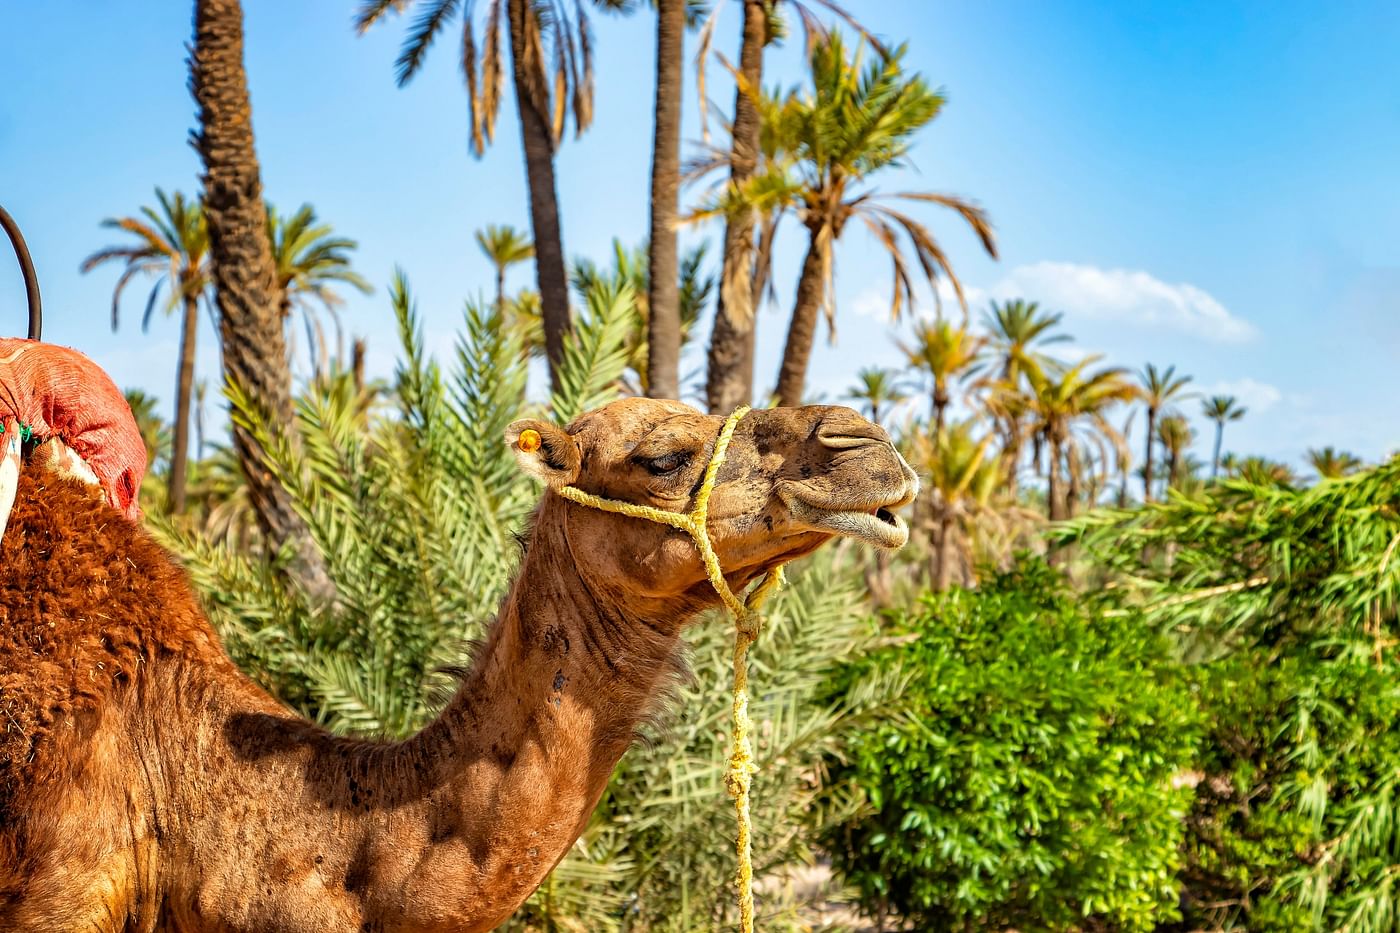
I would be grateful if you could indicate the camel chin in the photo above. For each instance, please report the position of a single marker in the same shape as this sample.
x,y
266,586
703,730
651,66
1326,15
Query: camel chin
x,y
875,523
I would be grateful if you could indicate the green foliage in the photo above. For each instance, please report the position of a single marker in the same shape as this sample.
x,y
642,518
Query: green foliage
x,y
1289,596
1025,776
414,511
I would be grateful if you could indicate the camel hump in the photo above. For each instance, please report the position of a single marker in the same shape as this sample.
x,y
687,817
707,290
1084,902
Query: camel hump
x,y
88,602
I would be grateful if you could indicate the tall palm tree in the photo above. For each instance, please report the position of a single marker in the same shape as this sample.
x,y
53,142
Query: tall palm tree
x,y
729,372
948,353
856,121
1061,400
663,297
244,271
552,76
504,246
1220,409
310,259
1175,435
1016,329
1158,388
171,244
875,389
1330,463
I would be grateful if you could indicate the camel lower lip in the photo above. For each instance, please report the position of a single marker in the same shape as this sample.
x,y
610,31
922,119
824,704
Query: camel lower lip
x,y
880,526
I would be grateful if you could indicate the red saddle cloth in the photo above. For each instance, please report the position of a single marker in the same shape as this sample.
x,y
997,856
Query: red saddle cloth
x,y
60,393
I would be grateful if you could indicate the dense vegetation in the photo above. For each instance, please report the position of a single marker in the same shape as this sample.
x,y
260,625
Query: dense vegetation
x,y
1098,691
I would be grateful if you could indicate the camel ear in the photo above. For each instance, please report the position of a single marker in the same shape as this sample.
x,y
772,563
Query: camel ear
x,y
545,451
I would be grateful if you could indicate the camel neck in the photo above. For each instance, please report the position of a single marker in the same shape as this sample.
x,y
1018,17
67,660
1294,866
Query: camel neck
x,y
470,814
567,659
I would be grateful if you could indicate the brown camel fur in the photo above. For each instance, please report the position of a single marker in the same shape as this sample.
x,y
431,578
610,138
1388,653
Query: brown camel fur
x,y
146,784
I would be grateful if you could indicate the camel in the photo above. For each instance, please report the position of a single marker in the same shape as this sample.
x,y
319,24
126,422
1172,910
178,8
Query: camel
x,y
147,784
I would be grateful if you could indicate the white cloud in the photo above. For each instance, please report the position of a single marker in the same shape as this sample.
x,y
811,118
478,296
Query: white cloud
x,y
1128,297
1256,396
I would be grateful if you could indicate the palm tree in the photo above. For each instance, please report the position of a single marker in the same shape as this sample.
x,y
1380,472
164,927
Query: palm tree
x,y
729,374
1158,388
961,479
552,75
663,296
1015,329
1175,435
1220,409
760,200
949,353
856,121
876,389
1330,463
172,245
1063,398
504,246
309,261
1261,471
244,272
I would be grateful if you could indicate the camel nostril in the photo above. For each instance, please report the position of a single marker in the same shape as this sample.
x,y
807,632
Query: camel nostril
x,y
845,433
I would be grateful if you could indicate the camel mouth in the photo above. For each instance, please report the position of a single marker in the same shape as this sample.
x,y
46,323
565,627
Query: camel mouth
x,y
875,523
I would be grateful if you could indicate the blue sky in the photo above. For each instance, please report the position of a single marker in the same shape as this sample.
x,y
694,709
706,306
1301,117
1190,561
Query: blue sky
x,y
1210,185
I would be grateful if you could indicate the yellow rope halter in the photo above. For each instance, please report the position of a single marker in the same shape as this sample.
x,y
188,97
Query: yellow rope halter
x,y
747,622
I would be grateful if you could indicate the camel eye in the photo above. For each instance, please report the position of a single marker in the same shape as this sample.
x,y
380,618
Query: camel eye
x,y
670,463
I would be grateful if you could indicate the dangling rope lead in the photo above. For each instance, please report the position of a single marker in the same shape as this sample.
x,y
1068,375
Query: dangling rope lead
x,y
747,623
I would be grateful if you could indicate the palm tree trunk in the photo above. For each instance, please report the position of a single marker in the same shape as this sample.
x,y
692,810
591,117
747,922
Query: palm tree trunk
x,y
945,554
1055,507
538,143
357,364
729,380
663,289
501,289
802,332
1073,491
245,276
1215,459
940,401
184,390
1147,464
1011,455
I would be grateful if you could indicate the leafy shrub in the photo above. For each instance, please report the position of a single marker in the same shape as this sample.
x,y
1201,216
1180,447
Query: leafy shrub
x,y
1288,596
1026,776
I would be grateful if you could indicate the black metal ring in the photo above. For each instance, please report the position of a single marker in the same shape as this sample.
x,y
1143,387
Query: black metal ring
x,y
26,268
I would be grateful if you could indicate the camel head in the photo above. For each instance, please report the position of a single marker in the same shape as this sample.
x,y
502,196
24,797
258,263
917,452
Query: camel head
x,y
794,478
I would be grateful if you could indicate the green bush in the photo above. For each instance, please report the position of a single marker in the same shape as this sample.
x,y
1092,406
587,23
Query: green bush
x,y
1287,597
1026,776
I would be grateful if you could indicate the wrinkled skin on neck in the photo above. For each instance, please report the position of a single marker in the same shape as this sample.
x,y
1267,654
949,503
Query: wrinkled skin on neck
x,y
153,786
